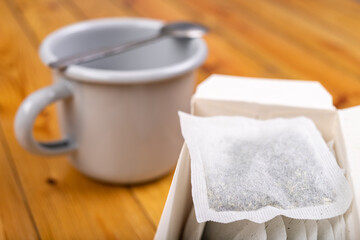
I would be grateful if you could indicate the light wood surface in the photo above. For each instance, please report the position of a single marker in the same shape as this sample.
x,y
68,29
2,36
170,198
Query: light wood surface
x,y
42,197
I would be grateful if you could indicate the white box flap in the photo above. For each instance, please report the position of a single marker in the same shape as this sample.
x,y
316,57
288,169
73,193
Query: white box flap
x,y
306,94
179,200
350,128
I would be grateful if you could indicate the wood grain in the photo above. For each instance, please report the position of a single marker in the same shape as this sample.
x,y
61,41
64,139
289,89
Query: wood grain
x,y
289,55
339,50
2,231
297,39
15,218
341,16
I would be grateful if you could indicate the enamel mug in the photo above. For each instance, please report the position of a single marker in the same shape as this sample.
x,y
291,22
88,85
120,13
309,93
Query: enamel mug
x,y
118,115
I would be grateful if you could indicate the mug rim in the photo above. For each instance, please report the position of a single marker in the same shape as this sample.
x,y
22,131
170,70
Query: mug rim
x,y
87,74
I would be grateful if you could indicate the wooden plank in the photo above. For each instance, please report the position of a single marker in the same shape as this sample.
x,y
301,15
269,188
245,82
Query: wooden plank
x,y
64,203
2,231
344,21
15,219
43,16
152,196
101,9
349,8
287,54
339,50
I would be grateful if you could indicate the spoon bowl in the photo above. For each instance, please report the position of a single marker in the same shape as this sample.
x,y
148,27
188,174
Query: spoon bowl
x,y
184,30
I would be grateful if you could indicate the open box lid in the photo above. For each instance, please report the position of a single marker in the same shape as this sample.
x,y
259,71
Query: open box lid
x,y
288,93
293,93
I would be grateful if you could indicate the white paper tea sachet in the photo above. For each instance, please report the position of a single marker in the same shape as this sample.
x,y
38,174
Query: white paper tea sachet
x,y
253,231
243,168
343,227
325,231
193,230
238,230
311,229
336,227
214,230
275,229
295,228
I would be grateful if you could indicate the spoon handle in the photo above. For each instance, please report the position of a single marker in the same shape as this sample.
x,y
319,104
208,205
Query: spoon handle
x,y
100,53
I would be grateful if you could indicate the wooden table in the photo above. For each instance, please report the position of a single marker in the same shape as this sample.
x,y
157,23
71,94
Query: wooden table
x,y
43,197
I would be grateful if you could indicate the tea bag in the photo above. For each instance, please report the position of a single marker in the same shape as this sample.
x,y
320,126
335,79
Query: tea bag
x,y
234,231
311,229
336,227
343,227
252,231
193,230
243,168
295,228
225,231
325,231
275,229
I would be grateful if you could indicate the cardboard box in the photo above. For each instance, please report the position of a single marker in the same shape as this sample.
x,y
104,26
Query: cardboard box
x,y
265,99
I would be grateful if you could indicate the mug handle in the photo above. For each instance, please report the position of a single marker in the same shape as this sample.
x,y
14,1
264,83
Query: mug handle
x,y
27,114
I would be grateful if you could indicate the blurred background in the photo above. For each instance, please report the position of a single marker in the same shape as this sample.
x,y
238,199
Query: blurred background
x,y
46,198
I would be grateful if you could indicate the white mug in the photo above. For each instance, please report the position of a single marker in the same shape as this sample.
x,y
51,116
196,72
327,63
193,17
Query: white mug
x,y
118,115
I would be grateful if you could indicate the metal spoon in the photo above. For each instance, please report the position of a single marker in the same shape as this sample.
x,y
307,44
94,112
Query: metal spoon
x,y
175,29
